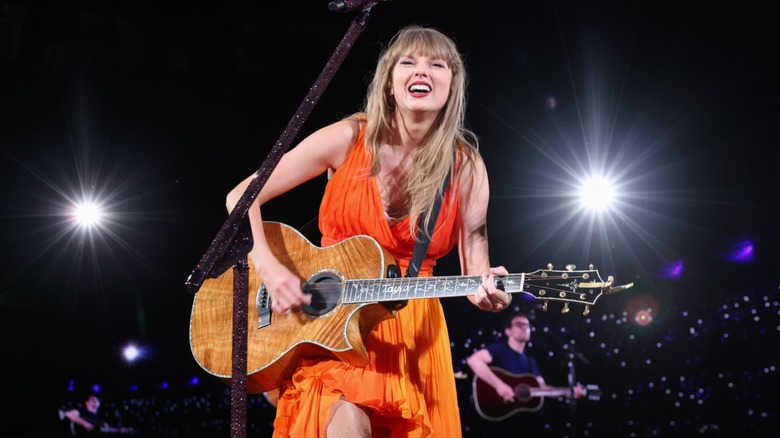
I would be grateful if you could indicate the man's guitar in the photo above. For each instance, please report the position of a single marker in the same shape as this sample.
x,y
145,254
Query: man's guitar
x,y
353,289
529,397
78,430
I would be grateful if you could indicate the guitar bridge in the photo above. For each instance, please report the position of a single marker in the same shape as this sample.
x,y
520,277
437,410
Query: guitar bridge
x,y
263,307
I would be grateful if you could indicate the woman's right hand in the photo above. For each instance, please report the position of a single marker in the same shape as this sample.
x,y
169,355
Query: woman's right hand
x,y
283,287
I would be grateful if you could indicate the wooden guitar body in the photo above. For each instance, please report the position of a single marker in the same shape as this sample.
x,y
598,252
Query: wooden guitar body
x,y
274,350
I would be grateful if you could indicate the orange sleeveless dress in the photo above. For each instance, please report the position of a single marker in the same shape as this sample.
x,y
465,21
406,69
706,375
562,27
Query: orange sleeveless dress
x,y
409,386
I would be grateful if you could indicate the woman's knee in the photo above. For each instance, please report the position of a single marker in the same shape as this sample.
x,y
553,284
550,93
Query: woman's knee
x,y
348,420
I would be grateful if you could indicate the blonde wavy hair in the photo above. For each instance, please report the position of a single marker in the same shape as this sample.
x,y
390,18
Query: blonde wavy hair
x,y
437,154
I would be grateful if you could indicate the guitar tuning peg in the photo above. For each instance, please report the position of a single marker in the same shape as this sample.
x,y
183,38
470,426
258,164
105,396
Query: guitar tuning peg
x,y
544,306
571,267
590,267
549,266
565,309
587,311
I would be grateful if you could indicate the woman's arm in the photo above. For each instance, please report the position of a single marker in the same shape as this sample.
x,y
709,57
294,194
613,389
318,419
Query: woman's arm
x,y
473,240
327,148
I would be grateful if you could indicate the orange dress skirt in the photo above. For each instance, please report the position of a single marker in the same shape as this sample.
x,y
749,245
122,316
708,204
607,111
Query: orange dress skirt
x,y
408,389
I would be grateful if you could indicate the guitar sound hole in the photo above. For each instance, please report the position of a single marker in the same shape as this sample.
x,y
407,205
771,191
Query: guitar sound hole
x,y
523,392
325,291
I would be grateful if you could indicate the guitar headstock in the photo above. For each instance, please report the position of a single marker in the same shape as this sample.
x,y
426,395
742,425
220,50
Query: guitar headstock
x,y
593,392
570,286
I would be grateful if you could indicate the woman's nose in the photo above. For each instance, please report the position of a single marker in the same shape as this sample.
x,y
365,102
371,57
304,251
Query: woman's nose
x,y
421,70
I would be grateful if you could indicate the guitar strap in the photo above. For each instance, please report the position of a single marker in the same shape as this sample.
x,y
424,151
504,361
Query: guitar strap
x,y
423,238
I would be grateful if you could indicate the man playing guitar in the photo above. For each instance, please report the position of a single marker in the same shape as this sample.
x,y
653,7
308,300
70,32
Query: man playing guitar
x,y
86,421
511,357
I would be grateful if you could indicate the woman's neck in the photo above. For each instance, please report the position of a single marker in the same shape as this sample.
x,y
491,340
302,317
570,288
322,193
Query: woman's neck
x,y
411,129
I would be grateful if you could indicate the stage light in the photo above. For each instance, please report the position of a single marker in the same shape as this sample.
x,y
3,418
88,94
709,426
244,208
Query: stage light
x,y
597,194
642,309
131,353
643,317
88,214
673,269
741,252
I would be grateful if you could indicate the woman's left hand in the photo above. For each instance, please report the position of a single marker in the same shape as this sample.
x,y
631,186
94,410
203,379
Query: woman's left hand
x,y
488,296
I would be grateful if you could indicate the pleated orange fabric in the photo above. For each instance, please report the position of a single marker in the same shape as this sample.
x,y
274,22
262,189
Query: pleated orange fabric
x,y
409,386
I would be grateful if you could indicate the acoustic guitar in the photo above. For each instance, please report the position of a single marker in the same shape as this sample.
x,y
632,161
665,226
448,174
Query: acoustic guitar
x,y
101,429
354,286
529,396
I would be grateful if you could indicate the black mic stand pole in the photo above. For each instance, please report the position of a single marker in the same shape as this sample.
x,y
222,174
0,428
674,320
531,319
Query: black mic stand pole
x,y
572,383
234,240
574,354
571,354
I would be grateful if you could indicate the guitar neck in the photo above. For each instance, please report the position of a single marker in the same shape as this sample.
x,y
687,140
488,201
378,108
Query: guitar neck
x,y
551,392
408,288
582,287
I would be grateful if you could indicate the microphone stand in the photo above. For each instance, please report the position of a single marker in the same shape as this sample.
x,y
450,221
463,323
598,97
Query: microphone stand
x,y
572,383
571,355
230,246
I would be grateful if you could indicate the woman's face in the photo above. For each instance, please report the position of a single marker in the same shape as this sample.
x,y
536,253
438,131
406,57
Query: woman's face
x,y
421,84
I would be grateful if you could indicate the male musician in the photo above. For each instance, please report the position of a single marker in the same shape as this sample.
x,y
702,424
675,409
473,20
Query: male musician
x,y
86,421
511,358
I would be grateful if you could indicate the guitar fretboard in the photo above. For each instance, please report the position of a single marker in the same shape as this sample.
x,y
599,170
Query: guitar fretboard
x,y
554,392
395,289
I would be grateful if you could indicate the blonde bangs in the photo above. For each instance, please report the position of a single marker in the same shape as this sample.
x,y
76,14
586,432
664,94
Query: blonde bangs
x,y
428,43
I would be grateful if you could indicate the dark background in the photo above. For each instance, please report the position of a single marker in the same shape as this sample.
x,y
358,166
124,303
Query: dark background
x,y
157,110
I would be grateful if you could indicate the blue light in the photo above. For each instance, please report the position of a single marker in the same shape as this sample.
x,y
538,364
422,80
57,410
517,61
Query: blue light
x,y
741,252
673,270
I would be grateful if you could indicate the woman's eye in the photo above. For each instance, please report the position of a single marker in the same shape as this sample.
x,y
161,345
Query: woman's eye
x,y
405,62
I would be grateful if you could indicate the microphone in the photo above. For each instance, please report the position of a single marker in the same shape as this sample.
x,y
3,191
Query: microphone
x,y
572,352
580,356
350,5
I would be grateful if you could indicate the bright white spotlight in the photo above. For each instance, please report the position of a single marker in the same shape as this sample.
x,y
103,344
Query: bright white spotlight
x,y
88,214
131,353
597,194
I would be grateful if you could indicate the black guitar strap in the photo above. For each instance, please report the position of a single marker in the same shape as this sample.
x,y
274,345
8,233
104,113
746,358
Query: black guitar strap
x,y
423,238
